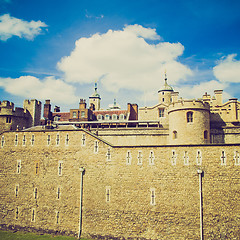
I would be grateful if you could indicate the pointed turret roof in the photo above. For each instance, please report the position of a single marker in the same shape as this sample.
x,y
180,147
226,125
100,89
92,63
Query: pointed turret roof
x,y
95,94
166,87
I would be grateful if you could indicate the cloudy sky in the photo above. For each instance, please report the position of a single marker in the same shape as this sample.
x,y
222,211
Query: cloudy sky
x,y
56,49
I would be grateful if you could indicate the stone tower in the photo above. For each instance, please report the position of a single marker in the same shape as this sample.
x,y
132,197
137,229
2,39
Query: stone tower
x,y
94,99
165,94
189,122
34,108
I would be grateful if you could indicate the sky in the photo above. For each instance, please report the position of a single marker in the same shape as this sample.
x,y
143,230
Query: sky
x,y
58,49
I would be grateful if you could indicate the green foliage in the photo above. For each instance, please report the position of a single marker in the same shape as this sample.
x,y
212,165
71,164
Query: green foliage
x,y
8,235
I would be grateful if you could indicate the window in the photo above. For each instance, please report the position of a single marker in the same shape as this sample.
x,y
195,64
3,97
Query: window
x,y
67,140
114,117
18,166
74,114
174,158
121,116
205,135
8,120
16,140
24,140
57,139
2,141
56,118
58,192
199,157
17,213
152,197
33,215
163,99
151,158
16,189
128,158
161,112
186,158
37,167
108,193
140,162
57,217
83,139
82,114
99,117
108,154
175,135
189,117
48,139
60,168
223,158
237,158
96,147
32,140
35,193
107,117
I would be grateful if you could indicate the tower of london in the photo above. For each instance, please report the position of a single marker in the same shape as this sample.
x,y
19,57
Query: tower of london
x,y
168,171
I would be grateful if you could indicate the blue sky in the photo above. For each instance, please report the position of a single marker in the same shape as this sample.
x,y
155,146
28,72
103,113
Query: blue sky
x,y
57,49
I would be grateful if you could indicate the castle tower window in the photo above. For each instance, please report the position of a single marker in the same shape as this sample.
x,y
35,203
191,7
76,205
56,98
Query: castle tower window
x,y
17,213
67,140
57,139
24,140
152,197
16,190
57,217
161,112
8,120
151,158
108,194
140,162
174,134
58,192
96,147
33,215
37,168
32,140
35,193
108,154
237,158
16,140
163,99
189,117
174,157
2,141
48,139
60,168
199,157
18,166
186,158
128,158
83,139
205,134
223,158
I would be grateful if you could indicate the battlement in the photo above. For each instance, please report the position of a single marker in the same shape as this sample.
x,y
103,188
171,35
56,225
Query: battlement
x,y
6,104
189,104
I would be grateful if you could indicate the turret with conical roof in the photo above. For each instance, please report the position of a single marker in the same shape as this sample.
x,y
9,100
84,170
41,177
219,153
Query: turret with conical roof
x,y
95,98
165,93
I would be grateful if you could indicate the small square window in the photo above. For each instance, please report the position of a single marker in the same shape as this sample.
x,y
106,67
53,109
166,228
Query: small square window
x,y
83,139
96,147
108,194
199,157
140,158
186,158
174,158
223,158
152,197
108,154
237,158
60,168
18,166
2,141
128,158
151,158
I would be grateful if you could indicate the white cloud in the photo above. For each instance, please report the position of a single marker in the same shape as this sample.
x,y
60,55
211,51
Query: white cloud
x,y
32,87
11,26
197,91
228,69
124,59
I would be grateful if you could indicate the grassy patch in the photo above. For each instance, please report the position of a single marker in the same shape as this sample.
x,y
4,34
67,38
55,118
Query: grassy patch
x,y
8,235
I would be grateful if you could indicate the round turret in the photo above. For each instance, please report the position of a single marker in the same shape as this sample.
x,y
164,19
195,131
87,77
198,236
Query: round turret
x,y
189,122
165,93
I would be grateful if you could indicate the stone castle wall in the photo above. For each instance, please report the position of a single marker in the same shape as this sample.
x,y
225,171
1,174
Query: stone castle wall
x,y
145,191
